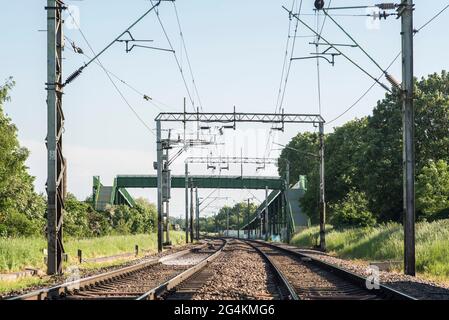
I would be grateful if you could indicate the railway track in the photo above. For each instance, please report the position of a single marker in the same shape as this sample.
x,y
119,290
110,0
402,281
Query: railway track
x,y
206,280
223,269
131,282
312,279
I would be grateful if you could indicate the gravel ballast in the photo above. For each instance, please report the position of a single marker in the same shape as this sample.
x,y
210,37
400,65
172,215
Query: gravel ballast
x,y
239,274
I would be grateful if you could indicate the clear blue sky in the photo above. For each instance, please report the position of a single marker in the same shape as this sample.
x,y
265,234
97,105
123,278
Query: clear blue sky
x,y
236,49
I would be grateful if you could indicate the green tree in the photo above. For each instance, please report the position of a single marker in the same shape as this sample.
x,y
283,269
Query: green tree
x,y
432,189
76,222
20,206
382,169
148,212
345,153
299,153
366,155
352,211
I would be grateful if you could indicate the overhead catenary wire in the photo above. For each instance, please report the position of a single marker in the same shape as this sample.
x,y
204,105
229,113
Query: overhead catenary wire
x,y
78,72
285,72
389,66
318,60
133,88
353,40
187,56
290,62
112,80
284,64
192,101
364,93
432,19
340,52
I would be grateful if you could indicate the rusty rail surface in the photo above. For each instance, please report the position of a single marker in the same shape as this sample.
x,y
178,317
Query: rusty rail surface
x,y
279,275
65,288
155,293
384,291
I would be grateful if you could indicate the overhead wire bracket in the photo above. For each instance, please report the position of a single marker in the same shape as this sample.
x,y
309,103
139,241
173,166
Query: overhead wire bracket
x,y
134,44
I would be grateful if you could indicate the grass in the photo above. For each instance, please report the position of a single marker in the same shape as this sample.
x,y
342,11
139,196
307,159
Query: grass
x,y
19,253
385,242
10,286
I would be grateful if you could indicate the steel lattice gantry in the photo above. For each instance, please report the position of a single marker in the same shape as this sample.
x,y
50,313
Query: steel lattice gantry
x,y
234,117
163,172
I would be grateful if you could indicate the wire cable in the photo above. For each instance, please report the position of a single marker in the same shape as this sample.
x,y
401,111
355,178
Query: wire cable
x,y
192,101
287,46
341,53
286,72
432,19
394,60
138,92
112,80
318,60
366,92
353,40
181,33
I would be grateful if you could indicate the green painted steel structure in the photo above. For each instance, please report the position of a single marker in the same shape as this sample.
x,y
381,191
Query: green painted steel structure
x,y
204,182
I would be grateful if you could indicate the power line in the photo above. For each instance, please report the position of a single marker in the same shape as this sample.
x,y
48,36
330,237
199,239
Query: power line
x,y
366,92
318,60
138,92
187,55
110,78
340,52
290,62
285,59
353,40
389,66
176,57
281,97
433,18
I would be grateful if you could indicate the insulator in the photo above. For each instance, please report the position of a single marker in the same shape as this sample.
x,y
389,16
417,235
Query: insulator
x,y
73,76
392,80
386,6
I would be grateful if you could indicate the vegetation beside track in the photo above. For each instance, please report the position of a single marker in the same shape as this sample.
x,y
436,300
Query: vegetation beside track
x,y
19,253
385,242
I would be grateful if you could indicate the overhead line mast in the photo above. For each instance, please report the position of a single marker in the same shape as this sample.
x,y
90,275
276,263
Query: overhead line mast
x,y
56,163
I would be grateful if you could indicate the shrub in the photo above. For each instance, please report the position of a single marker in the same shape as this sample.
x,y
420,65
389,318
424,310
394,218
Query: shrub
x,y
352,211
432,190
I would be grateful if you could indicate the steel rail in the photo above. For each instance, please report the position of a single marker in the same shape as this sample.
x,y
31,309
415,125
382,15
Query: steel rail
x,y
155,293
55,292
384,291
278,273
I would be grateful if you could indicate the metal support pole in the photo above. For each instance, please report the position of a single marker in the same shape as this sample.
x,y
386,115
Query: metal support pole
x,y
266,214
287,202
227,222
187,201
160,230
408,137
238,224
55,124
167,202
167,222
247,219
197,215
191,210
322,194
